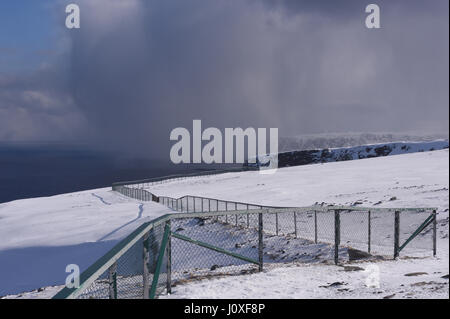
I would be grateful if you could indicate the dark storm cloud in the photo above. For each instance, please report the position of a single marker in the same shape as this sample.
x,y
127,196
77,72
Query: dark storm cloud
x,y
38,107
137,69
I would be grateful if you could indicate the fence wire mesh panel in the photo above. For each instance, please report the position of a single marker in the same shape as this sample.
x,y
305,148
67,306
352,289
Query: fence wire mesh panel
x,y
129,273
99,289
374,232
382,233
157,253
132,275
325,226
202,247
409,223
354,232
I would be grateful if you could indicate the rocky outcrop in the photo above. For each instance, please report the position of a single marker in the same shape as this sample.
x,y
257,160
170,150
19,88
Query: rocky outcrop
x,y
296,158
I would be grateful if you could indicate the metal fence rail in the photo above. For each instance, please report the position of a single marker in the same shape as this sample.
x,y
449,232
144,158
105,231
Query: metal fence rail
x,y
188,203
159,180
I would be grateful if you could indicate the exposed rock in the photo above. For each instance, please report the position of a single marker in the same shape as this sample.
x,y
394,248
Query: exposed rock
x,y
214,267
311,156
412,274
334,284
353,268
424,283
343,289
355,254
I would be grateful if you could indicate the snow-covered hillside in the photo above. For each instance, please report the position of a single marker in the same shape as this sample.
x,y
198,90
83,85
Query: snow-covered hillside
x,y
415,180
339,140
41,236
79,227
295,158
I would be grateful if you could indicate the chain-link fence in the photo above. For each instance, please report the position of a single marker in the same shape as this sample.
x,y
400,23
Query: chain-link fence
x,y
175,177
215,237
365,229
179,248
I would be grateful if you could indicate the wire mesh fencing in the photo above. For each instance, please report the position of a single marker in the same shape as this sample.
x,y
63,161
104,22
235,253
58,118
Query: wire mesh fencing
x,y
179,248
131,275
176,177
193,204
363,229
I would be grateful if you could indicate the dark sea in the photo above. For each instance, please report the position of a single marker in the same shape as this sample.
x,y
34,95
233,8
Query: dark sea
x,y
35,170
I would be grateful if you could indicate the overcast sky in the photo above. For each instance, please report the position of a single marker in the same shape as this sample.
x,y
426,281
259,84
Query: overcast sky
x,y
136,69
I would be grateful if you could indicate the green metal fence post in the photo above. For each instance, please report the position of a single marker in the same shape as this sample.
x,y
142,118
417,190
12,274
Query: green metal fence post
x,y
159,262
226,209
260,242
295,224
169,259
112,281
248,218
146,264
396,234
276,223
315,227
369,231
337,235
434,231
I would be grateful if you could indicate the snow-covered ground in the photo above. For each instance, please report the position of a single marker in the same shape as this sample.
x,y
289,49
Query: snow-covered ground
x,y
397,279
49,233
41,236
415,180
